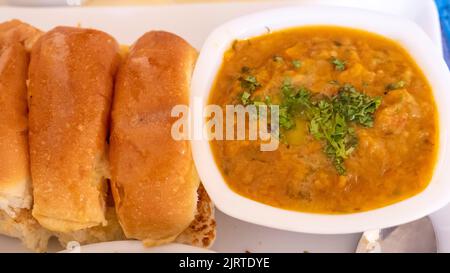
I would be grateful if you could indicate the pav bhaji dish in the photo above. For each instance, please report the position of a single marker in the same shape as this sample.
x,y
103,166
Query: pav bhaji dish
x,y
87,152
358,126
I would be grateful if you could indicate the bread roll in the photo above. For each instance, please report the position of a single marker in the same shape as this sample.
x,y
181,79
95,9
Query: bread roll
x,y
15,31
200,233
15,181
154,181
71,82
15,192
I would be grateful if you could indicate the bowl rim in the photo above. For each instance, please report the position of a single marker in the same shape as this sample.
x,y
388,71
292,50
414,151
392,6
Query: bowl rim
x,y
405,32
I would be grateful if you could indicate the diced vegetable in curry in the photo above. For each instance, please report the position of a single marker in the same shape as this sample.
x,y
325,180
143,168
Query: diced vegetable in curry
x,y
358,122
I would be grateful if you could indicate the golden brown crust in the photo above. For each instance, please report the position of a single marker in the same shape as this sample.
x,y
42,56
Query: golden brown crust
x,y
111,232
71,80
15,182
15,185
202,231
14,31
14,167
154,181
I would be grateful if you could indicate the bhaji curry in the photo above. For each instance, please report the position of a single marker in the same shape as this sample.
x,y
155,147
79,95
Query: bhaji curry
x,y
358,126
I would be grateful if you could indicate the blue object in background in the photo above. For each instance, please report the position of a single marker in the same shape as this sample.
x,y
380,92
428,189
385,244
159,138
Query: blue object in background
x,y
444,12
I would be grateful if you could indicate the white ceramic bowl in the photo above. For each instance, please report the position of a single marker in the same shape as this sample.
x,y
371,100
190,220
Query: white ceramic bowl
x,y
408,34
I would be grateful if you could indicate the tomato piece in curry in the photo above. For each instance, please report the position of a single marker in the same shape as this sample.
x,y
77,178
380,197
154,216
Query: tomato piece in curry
x,y
393,157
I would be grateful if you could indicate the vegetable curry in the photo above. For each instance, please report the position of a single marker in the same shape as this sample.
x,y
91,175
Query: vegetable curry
x,y
358,125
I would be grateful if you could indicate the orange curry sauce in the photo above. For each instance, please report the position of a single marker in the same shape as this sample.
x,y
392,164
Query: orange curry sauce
x,y
393,160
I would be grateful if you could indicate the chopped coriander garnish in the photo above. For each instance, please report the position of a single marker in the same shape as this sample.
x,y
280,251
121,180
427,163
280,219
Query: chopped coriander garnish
x,y
329,125
396,85
249,83
258,103
339,65
285,119
294,97
330,119
245,97
297,64
348,106
246,100
356,106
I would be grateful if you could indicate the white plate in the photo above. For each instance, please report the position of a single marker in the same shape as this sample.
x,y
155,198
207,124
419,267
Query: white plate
x,y
194,22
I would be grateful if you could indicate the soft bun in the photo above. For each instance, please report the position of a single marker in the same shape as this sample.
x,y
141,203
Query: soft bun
x,y
71,83
15,31
154,181
200,233
15,190
15,180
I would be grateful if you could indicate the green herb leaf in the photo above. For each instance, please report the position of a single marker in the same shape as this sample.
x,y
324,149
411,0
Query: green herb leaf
x,y
330,119
396,85
339,65
245,98
356,106
249,83
285,119
297,64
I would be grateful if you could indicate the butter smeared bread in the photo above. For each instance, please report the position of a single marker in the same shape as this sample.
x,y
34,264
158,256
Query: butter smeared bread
x,y
153,178
70,90
15,181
